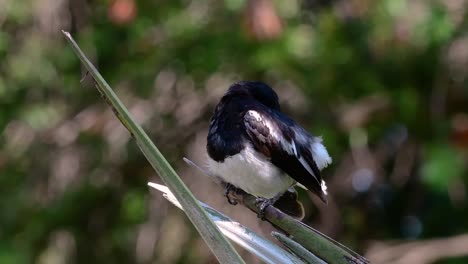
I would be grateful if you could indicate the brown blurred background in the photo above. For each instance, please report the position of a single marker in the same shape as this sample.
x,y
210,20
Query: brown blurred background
x,y
384,82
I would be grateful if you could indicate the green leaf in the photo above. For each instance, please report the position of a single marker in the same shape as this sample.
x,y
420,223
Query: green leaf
x,y
215,240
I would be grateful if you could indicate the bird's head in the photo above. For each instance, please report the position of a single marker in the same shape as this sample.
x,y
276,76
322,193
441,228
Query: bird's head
x,y
255,90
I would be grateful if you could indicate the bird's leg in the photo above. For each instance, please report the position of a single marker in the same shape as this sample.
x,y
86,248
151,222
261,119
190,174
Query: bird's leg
x,y
263,203
227,191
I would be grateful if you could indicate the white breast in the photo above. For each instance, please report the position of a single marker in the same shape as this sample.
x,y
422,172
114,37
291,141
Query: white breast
x,y
252,172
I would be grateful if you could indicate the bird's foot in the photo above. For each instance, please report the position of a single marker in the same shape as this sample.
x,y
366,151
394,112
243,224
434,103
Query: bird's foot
x,y
262,204
227,192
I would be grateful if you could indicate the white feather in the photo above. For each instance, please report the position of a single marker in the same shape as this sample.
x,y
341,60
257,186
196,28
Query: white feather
x,y
320,154
324,187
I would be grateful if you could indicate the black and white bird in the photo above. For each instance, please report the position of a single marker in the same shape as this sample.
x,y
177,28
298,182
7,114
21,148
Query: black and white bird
x,y
253,146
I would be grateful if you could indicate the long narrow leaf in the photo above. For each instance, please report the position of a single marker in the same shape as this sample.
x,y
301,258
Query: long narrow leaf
x,y
215,240
297,249
241,235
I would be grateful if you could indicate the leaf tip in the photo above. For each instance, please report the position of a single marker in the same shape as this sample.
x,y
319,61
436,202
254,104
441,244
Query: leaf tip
x,y
159,187
66,33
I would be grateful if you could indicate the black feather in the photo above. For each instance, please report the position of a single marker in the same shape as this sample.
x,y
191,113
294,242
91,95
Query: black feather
x,y
262,135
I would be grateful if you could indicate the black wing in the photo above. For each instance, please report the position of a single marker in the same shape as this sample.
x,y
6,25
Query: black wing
x,y
274,135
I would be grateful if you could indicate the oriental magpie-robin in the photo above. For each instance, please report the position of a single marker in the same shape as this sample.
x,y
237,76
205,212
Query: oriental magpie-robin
x,y
253,146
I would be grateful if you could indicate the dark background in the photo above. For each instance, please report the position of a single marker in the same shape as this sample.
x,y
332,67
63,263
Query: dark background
x,y
384,82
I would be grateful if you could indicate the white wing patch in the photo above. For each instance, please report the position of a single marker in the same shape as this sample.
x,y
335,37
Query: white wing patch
x,y
289,147
255,115
259,119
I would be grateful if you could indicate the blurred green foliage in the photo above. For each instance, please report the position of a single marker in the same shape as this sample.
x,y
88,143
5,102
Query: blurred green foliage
x,y
384,82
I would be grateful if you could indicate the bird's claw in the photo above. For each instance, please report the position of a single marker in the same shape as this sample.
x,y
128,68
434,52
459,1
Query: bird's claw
x,y
227,191
262,204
